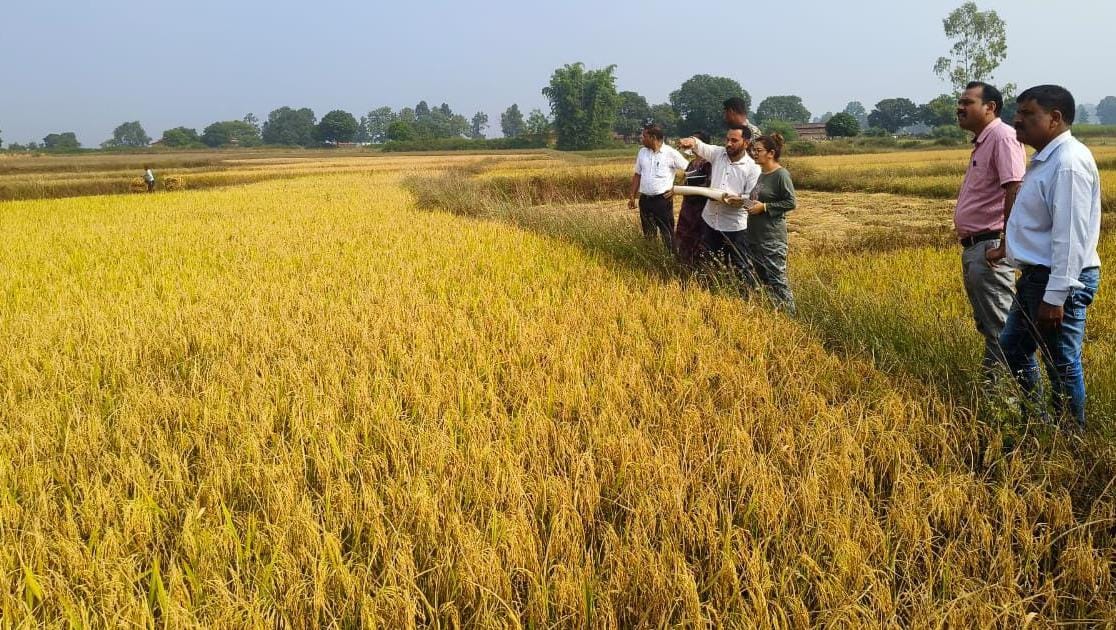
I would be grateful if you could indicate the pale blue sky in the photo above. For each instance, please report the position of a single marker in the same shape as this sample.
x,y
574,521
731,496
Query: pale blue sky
x,y
85,66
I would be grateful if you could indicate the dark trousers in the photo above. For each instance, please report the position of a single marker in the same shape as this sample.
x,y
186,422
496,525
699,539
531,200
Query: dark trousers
x,y
656,213
729,248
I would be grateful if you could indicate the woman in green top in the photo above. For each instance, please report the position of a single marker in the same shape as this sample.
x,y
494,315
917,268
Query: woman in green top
x,y
773,198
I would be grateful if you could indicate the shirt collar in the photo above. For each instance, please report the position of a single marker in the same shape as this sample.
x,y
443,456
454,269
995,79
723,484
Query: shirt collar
x,y
1050,148
987,130
744,159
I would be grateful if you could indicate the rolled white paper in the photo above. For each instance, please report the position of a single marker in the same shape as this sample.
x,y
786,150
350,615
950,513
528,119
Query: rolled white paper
x,y
715,194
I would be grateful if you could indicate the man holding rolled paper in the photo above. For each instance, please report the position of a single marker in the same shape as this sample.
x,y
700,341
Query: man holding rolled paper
x,y
735,175
655,166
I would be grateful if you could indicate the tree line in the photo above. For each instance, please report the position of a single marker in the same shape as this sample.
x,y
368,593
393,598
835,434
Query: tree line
x,y
587,112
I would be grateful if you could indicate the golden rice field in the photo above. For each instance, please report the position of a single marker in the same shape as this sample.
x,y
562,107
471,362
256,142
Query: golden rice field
x,y
46,177
310,401
934,174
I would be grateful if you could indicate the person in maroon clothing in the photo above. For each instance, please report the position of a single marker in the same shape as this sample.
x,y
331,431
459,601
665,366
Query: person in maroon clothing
x,y
687,234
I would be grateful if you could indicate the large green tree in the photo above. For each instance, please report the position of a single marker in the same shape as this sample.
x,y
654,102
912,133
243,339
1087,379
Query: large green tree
x,y
537,123
291,127
61,141
786,108
477,125
231,133
842,125
699,102
942,110
857,111
1106,110
632,115
181,137
401,130
512,124
583,104
129,134
438,122
376,124
338,126
893,114
664,116
979,45
1081,117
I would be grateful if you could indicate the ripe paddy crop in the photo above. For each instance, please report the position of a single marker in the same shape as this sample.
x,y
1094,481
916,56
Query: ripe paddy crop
x,y
924,174
308,402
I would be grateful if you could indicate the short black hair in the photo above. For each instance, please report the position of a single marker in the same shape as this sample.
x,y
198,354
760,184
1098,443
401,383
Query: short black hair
x,y
654,131
736,104
744,131
700,135
1050,98
988,94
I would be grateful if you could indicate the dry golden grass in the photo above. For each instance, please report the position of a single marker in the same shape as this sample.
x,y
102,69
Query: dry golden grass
x,y
935,174
40,177
307,402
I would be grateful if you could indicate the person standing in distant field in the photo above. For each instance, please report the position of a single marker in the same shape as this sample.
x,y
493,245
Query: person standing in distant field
x,y
988,191
725,221
773,198
688,233
653,180
736,114
149,178
1051,236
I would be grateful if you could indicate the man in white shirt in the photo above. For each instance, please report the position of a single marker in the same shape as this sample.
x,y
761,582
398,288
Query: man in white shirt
x,y
1051,237
655,166
725,221
149,178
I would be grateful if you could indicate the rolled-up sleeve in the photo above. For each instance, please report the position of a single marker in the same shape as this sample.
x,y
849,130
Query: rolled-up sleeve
x,y
1071,197
1010,160
705,151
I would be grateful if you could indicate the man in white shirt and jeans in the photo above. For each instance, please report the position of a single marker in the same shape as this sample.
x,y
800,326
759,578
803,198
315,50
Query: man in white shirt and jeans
x,y
655,166
736,173
1051,237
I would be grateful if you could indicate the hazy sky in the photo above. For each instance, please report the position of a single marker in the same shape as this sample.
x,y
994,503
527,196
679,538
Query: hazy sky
x,y
85,66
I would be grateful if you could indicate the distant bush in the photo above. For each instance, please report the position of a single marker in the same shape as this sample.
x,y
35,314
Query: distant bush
x,y
802,147
781,127
877,132
842,125
948,135
1093,131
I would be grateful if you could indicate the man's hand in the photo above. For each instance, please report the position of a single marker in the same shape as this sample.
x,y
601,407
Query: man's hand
x,y
736,201
994,255
1049,317
757,208
686,143
631,204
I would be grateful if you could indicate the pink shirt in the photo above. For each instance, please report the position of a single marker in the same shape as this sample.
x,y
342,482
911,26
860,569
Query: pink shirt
x,y
998,159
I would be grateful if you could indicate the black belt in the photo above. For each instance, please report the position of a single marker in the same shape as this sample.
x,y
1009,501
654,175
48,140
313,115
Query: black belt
x,y
969,241
658,196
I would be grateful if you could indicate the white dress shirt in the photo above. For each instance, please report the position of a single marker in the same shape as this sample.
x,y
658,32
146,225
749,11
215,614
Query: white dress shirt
x,y
1056,218
656,169
737,178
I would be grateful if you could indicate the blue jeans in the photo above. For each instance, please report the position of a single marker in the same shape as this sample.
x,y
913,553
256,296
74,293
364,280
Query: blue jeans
x,y
1060,348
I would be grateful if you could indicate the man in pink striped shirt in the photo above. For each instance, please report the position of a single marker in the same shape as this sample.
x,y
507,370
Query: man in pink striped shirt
x,y
992,180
